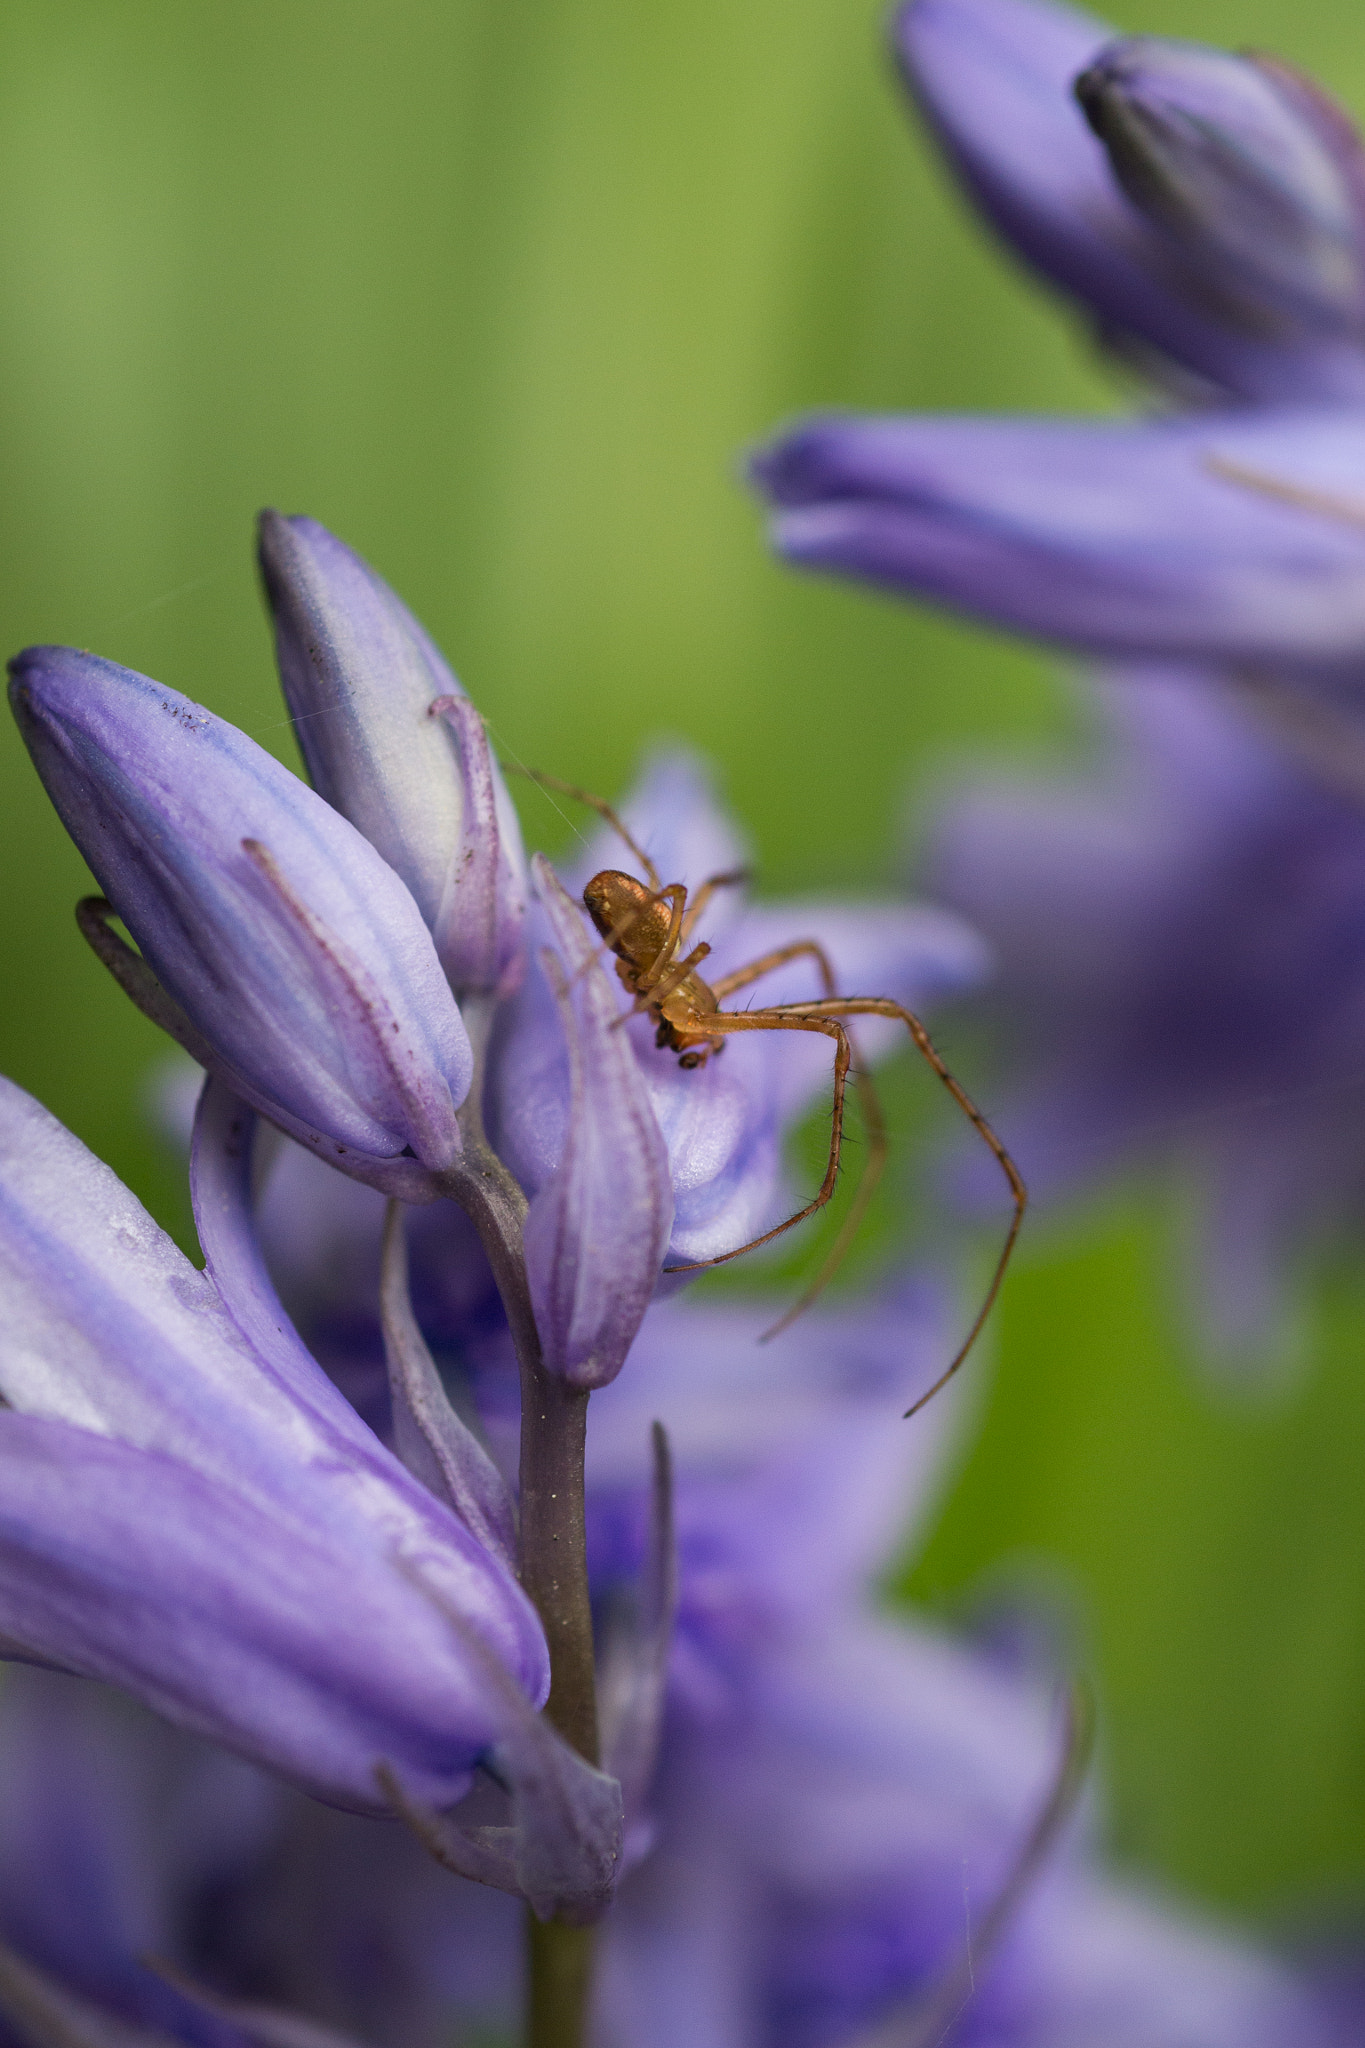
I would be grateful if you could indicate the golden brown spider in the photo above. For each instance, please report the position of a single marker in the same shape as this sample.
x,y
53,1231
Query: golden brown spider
x,y
648,929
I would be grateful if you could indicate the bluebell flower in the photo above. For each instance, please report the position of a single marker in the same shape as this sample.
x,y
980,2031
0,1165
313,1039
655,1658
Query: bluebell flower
x,y
1181,932
721,1127
1219,238
286,954
1223,537
193,1512
394,744
839,1799
1223,233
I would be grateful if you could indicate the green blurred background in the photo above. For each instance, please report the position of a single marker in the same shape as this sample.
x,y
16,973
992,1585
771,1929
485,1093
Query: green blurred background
x,y
500,290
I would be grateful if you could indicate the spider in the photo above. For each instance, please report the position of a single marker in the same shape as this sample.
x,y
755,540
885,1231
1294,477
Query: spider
x,y
648,929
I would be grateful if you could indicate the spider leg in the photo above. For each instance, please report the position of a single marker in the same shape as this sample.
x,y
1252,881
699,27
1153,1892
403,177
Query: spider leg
x,y
594,803
874,1122
833,1007
658,968
730,880
724,1022
768,963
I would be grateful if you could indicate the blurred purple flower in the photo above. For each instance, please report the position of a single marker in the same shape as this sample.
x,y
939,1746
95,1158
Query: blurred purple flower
x,y
192,1511
1226,537
839,1801
1182,943
1222,239
1253,174
294,960
393,743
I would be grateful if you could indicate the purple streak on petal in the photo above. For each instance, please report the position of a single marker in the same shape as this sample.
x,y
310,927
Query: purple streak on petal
x,y
478,927
994,79
435,1443
597,1229
362,680
1237,537
162,797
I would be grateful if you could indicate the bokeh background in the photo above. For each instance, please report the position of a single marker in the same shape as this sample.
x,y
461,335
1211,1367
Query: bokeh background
x,y
500,290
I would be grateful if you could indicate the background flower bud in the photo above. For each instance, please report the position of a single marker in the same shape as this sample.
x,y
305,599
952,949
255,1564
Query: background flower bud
x,y
1250,170
393,743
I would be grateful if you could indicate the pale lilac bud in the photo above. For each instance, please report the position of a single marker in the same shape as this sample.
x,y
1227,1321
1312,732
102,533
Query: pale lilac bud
x,y
393,743
295,962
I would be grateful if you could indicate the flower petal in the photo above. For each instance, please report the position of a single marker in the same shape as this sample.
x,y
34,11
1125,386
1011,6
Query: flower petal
x,y
112,1340
597,1229
165,801
995,80
1237,537
1249,170
392,742
284,1632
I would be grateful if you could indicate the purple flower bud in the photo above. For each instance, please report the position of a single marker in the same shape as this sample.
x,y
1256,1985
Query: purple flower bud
x,y
199,1516
1230,537
1253,173
994,78
297,956
394,744
597,1230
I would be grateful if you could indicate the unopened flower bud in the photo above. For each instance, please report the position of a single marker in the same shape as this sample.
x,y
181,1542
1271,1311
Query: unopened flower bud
x,y
1247,167
392,742
291,952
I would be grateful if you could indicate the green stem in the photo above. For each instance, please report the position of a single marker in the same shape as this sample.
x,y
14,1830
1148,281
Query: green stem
x,y
558,1983
552,1550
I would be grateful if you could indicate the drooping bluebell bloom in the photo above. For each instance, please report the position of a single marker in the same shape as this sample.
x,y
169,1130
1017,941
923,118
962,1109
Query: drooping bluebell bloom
x,y
294,959
1220,240
394,744
1223,537
838,1800
192,1511
1224,231
1181,933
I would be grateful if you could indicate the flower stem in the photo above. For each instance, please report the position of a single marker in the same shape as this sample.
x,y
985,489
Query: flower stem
x,y
558,1981
552,1545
